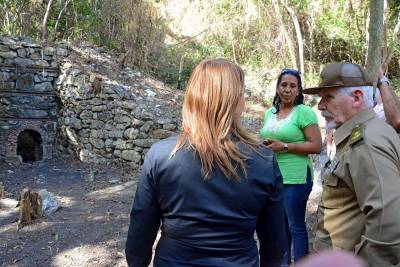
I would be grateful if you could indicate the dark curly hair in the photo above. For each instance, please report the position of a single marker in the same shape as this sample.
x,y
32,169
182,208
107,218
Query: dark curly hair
x,y
299,98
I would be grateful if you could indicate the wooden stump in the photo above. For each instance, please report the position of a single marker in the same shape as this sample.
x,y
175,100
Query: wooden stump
x,y
30,207
2,193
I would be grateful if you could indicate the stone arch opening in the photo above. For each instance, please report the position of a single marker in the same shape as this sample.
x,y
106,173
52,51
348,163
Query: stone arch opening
x,y
29,146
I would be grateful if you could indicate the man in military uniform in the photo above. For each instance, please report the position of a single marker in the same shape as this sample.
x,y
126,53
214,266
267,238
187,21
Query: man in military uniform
x,y
360,205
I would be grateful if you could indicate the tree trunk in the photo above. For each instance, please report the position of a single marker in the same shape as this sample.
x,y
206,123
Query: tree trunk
x,y
390,49
286,34
375,37
366,24
233,51
299,37
58,19
6,20
44,23
179,85
312,28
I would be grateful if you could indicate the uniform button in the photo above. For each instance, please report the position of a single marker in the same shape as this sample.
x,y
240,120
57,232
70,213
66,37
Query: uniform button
x,y
394,260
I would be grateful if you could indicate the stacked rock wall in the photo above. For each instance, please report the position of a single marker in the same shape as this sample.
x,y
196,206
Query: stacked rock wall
x,y
28,100
79,98
112,115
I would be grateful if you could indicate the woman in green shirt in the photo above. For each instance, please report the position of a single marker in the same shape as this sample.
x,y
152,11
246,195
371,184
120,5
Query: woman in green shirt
x,y
291,131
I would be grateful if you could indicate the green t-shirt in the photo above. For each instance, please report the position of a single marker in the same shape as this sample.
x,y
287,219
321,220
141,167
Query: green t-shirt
x,y
290,130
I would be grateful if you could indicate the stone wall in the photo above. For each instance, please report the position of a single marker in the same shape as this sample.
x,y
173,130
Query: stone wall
x,y
28,100
80,100
110,114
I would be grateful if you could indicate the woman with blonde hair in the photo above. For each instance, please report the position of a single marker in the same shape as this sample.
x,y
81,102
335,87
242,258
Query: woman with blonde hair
x,y
210,187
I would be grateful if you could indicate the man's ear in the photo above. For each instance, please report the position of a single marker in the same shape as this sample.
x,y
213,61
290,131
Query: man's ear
x,y
358,96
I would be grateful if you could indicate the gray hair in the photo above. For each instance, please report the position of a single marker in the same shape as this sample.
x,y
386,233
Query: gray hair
x,y
368,92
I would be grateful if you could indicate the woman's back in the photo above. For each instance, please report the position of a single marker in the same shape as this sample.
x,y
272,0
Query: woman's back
x,y
211,187
209,222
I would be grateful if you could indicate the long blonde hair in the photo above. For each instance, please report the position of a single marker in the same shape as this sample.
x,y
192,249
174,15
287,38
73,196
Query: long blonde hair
x,y
210,125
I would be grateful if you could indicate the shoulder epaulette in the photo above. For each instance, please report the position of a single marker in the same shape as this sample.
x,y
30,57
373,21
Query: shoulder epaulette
x,y
357,134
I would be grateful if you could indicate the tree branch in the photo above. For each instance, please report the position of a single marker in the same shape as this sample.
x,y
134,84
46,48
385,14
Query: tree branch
x,y
59,17
44,23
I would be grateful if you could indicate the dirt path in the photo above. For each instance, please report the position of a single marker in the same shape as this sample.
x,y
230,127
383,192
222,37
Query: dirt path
x,y
90,228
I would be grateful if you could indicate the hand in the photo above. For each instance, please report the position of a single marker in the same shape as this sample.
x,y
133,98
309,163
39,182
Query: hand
x,y
275,145
267,142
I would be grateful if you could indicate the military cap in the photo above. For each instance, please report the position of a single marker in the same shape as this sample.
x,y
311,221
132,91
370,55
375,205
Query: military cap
x,y
337,75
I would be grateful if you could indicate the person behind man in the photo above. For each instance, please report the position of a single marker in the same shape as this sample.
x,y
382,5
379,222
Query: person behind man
x,y
359,208
211,187
387,105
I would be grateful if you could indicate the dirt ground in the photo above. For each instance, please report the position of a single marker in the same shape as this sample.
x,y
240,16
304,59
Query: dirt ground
x,y
88,230
90,227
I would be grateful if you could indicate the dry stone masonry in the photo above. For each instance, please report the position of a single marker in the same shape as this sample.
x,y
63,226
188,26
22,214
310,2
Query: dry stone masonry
x,y
111,115
28,101
77,99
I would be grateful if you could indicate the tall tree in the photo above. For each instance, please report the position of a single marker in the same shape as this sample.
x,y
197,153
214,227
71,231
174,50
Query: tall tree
x,y
285,32
59,17
299,36
375,31
44,23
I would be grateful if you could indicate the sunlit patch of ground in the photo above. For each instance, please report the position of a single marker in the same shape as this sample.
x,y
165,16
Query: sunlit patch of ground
x,y
89,255
108,192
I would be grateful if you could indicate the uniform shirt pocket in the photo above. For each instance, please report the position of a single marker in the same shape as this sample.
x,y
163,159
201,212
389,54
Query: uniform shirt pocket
x,y
333,192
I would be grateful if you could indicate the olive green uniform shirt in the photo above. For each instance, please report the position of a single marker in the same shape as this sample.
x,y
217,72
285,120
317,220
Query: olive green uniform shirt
x,y
360,205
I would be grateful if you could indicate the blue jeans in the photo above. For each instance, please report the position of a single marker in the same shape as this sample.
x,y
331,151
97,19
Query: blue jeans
x,y
296,196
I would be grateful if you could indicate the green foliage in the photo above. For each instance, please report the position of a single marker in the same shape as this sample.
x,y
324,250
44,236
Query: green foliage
x,y
249,32
16,20
395,83
338,36
168,61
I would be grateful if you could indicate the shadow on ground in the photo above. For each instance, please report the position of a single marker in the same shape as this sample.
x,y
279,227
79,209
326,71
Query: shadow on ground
x,y
89,229
91,226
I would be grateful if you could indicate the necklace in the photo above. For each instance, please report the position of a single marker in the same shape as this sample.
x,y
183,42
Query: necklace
x,y
280,115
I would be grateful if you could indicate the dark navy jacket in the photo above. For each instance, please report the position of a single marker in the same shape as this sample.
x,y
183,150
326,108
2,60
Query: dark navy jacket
x,y
206,222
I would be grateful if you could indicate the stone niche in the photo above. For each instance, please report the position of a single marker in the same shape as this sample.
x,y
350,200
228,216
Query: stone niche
x,y
29,104
26,140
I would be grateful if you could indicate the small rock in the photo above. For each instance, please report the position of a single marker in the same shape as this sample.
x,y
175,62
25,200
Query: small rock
x,y
113,180
150,93
49,202
8,54
40,179
90,176
14,160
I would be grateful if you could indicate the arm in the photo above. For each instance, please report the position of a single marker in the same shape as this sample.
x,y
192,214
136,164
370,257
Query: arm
x,y
391,104
271,225
145,220
374,186
312,145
